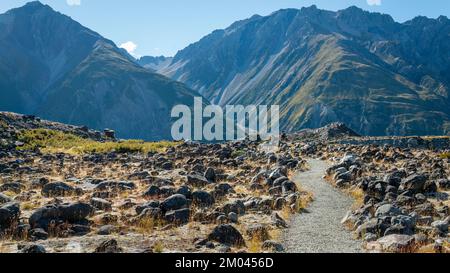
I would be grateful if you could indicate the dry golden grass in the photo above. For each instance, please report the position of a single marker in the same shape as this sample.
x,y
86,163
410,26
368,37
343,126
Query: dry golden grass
x,y
29,205
275,234
357,194
158,247
304,201
50,141
254,245
3,248
10,193
148,225
242,189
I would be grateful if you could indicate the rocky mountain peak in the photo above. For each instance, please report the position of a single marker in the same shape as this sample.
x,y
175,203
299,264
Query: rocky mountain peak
x,y
309,10
321,66
34,5
31,7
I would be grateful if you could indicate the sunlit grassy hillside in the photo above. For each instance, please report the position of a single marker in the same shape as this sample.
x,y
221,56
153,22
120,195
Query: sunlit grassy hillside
x,y
50,141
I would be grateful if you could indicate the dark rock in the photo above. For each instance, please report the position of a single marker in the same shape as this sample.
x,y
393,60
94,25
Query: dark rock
x,y
109,133
272,159
15,187
222,190
186,191
109,246
139,175
80,230
202,199
396,229
166,191
152,191
210,175
167,166
32,249
279,181
198,168
222,219
278,220
174,202
42,217
272,246
430,187
101,204
276,190
150,204
387,210
197,181
180,216
236,206
38,234
4,199
106,230
151,213
414,183
288,186
227,234
70,213
346,176
57,189
279,203
115,186
233,217
440,226
9,215
444,184
39,183
75,212
372,226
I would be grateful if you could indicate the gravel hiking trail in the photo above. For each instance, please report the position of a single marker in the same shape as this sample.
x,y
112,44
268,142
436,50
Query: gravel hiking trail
x,y
318,229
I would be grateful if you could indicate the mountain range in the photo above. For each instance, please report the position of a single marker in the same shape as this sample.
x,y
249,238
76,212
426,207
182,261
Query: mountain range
x,y
378,76
53,67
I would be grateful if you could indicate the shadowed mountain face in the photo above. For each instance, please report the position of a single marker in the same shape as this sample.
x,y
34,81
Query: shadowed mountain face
x,y
53,67
364,69
154,63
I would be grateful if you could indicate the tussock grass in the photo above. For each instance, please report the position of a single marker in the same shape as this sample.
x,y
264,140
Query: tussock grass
x,y
3,124
158,247
148,225
50,141
357,194
29,206
255,245
10,194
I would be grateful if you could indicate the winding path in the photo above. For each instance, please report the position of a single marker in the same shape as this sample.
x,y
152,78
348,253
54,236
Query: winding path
x,y
319,228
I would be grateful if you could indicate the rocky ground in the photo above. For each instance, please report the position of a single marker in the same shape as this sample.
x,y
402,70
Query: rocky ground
x,y
190,198
230,197
401,190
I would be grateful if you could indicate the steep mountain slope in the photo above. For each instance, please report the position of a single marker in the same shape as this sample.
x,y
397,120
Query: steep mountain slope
x,y
364,69
55,68
154,63
38,46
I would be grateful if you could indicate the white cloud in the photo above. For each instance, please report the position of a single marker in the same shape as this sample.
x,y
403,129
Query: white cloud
x,y
73,2
374,2
130,47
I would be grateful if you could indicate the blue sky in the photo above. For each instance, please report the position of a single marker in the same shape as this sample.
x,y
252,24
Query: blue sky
x,y
162,27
